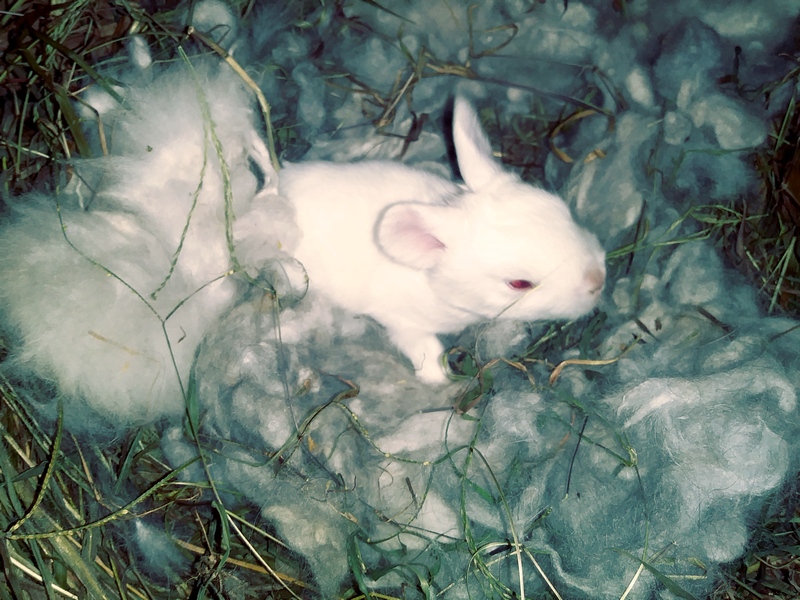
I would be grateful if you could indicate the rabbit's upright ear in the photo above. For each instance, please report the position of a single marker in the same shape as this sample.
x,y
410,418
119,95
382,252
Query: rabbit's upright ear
x,y
413,234
473,150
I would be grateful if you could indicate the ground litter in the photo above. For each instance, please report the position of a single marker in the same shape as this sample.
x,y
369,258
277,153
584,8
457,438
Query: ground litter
x,y
637,478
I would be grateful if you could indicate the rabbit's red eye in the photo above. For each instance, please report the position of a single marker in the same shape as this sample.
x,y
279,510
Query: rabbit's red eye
x,y
520,284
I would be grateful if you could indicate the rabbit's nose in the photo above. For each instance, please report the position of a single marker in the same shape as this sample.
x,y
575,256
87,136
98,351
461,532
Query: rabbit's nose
x,y
595,278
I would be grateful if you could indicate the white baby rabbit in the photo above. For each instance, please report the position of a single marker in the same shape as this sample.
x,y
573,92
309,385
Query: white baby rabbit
x,y
423,256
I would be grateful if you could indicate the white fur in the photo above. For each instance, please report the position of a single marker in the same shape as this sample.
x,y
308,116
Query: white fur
x,y
87,330
423,256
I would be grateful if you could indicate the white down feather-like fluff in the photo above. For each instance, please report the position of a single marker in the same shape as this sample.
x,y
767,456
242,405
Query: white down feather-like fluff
x,y
144,241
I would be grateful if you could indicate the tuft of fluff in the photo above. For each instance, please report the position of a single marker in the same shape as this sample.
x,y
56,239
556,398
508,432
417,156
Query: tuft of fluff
x,y
676,455
110,284
156,551
215,18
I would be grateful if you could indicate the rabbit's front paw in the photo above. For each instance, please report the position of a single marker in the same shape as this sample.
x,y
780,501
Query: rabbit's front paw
x,y
425,352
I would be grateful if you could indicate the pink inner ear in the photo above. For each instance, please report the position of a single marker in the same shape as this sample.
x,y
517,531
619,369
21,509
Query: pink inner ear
x,y
407,238
411,228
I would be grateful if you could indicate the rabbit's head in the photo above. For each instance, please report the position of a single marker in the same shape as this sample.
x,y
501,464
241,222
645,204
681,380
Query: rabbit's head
x,y
502,248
